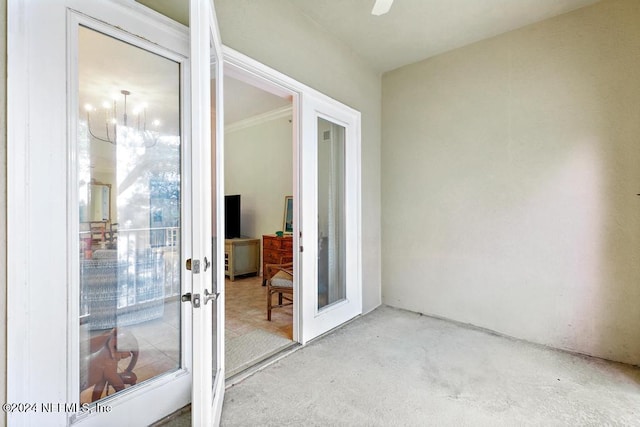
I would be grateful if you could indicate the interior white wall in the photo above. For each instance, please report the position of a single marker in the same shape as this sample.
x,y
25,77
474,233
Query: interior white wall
x,y
259,166
510,173
280,36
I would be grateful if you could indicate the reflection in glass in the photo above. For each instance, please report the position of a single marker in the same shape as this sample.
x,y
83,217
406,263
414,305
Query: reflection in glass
x,y
129,201
331,213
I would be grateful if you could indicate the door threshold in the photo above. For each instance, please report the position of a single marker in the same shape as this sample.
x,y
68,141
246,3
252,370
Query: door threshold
x,y
260,364
181,417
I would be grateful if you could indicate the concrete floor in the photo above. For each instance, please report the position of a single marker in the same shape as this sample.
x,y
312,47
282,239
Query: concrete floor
x,y
396,368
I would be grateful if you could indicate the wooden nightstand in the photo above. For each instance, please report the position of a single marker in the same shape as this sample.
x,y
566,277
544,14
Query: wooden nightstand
x,y
276,250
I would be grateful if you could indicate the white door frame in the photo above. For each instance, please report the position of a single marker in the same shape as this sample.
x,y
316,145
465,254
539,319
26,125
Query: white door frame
x,y
256,74
307,323
207,392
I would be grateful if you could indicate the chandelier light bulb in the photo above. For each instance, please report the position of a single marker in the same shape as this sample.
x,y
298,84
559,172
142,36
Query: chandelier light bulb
x,y
156,122
88,107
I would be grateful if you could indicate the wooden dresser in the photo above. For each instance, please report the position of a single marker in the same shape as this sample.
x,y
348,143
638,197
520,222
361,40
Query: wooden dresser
x,y
276,250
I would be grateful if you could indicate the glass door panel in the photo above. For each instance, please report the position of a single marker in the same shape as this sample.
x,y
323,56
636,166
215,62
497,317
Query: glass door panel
x,y
130,205
331,213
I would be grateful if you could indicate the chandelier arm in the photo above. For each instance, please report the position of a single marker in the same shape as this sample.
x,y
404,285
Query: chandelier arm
x,y
115,134
149,138
95,136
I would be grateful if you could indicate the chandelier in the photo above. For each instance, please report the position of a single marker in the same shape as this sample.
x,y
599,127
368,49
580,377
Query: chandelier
x,y
138,134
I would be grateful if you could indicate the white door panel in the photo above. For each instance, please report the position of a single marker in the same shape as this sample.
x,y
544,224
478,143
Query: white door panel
x,y
330,175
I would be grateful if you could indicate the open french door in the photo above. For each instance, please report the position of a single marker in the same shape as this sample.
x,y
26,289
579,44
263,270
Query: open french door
x,y
106,204
208,133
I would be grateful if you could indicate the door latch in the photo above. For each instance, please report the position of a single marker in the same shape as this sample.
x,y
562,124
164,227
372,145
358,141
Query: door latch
x,y
194,298
193,265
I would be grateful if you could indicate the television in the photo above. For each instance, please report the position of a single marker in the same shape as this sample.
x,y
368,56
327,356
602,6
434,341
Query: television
x,y
231,216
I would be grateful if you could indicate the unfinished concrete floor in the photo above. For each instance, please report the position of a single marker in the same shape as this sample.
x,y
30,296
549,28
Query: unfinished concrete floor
x,y
395,368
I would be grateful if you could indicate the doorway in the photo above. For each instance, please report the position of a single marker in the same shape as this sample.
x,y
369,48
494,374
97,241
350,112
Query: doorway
x,y
259,181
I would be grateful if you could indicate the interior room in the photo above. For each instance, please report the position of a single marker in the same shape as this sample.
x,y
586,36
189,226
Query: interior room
x,y
258,182
498,194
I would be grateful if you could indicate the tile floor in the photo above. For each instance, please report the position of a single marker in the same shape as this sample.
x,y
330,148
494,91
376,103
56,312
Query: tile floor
x,y
246,309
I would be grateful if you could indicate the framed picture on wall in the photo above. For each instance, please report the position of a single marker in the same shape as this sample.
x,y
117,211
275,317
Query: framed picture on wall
x,y
287,223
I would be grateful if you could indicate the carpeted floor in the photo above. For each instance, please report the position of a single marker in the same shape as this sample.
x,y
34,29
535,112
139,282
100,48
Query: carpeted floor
x,y
246,350
250,337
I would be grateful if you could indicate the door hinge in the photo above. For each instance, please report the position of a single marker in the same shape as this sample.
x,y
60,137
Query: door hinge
x,y
301,249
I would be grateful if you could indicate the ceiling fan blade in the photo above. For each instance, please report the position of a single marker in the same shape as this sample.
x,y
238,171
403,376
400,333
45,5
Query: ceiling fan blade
x,y
381,7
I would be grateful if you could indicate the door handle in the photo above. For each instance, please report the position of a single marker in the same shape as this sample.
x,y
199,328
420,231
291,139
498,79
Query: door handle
x,y
210,296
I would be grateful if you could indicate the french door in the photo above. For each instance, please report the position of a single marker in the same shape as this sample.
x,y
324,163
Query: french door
x,y
330,205
208,213
114,307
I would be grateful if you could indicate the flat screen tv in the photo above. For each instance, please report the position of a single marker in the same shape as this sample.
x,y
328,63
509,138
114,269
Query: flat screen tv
x,y
231,216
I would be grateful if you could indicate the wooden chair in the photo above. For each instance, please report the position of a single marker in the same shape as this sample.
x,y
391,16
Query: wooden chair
x,y
279,279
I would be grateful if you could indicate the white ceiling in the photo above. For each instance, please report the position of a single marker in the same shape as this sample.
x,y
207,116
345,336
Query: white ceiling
x,y
242,101
413,30
417,29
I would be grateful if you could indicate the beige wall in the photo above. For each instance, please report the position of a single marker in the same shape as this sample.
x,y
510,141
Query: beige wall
x,y
510,171
259,166
3,206
279,36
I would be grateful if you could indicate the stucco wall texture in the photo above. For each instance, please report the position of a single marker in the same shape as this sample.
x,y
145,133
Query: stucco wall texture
x,y
509,181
